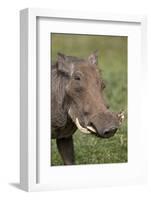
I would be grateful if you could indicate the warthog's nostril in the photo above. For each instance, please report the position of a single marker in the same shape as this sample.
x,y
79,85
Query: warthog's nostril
x,y
110,131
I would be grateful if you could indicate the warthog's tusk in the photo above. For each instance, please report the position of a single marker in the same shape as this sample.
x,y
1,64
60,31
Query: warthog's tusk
x,y
91,129
84,130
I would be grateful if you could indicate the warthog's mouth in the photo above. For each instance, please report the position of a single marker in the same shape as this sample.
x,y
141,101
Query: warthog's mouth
x,y
91,129
88,129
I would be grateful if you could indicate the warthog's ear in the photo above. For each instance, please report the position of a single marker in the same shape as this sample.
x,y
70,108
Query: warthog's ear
x,y
93,58
62,66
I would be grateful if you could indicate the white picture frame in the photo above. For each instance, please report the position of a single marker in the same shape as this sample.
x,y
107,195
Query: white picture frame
x,y
30,168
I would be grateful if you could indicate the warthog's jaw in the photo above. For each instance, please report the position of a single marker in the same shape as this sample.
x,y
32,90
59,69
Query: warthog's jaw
x,y
82,129
88,129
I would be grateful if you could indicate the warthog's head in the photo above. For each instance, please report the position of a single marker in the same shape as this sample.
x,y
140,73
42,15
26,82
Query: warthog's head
x,y
84,94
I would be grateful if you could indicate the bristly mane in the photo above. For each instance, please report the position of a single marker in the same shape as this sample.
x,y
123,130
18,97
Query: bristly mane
x,y
58,84
60,120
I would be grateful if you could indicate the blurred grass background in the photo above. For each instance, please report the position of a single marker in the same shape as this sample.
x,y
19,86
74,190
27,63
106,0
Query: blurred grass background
x,y
113,63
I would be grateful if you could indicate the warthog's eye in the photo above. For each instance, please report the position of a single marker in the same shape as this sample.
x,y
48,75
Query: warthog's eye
x,y
86,113
77,78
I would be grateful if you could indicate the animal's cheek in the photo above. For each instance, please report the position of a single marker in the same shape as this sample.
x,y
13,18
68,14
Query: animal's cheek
x,y
68,89
73,89
86,109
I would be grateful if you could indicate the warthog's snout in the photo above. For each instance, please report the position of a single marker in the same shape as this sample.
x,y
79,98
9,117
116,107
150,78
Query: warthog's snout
x,y
105,124
109,132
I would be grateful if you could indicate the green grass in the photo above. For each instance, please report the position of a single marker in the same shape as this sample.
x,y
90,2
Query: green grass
x,y
113,64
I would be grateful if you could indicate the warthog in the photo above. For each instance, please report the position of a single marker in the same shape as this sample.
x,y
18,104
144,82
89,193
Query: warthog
x,y
77,102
